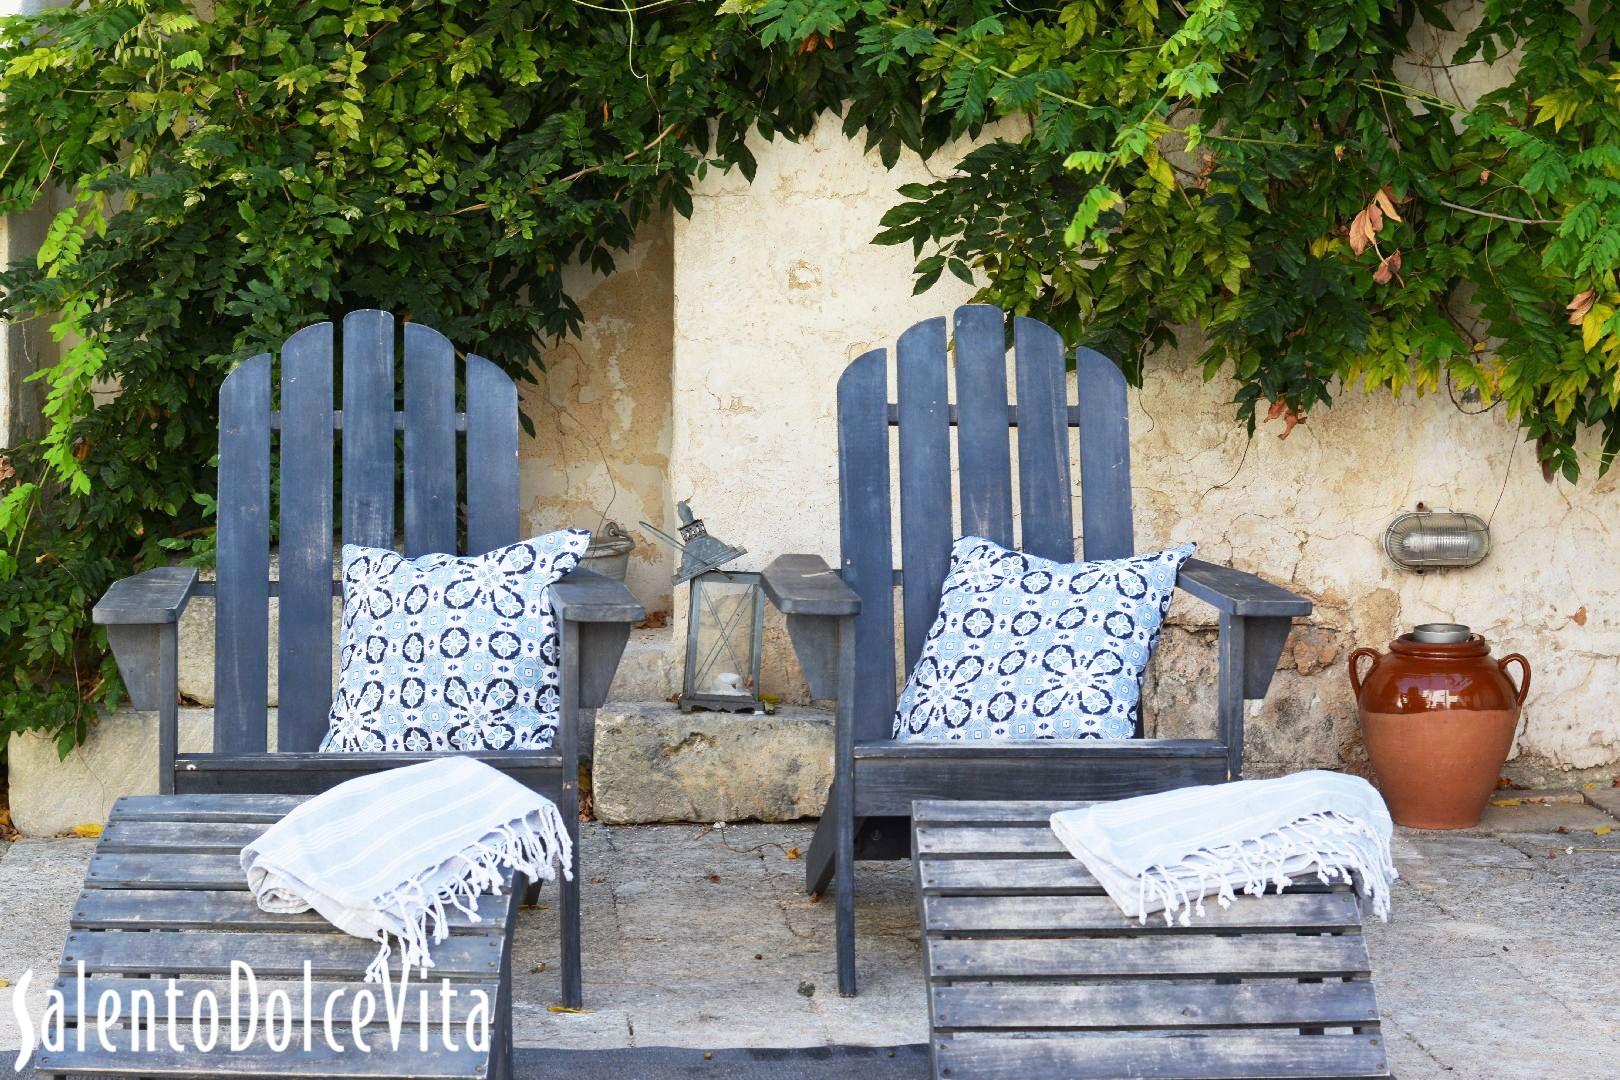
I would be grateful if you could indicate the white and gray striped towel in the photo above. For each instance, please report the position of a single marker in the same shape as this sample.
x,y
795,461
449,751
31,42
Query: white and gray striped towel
x,y
383,856
1167,852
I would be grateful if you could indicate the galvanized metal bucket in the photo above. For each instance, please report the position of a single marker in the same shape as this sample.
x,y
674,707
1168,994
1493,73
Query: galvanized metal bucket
x,y
609,553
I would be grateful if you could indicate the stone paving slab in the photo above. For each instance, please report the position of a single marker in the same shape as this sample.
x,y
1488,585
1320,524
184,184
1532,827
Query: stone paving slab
x,y
1499,961
1606,799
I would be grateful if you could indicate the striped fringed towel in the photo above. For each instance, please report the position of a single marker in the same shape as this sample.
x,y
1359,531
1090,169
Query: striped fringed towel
x,y
383,856
1167,852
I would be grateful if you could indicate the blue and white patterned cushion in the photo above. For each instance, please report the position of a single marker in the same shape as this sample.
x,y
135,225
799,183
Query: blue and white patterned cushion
x,y
448,653
1025,648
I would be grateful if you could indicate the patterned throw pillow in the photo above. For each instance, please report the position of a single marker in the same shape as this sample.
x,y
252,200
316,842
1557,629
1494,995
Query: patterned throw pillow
x,y
447,653
1025,648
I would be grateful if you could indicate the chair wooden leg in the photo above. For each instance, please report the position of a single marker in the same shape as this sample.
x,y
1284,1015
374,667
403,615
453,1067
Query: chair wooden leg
x,y
500,1043
568,930
819,863
844,887
531,893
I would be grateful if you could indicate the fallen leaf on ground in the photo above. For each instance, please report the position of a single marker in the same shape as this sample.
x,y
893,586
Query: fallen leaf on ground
x,y
4,983
1506,802
1579,618
1603,830
597,880
715,878
89,831
793,853
567,1009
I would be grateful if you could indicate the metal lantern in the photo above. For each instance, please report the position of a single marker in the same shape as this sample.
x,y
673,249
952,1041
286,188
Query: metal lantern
x,y
723,631
725,620
1437,540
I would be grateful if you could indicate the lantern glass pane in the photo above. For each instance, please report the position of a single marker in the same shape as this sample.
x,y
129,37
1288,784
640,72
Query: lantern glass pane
x,y
724,650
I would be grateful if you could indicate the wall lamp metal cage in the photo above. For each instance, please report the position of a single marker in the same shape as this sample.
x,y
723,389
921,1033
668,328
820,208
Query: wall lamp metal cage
x,y
1424,539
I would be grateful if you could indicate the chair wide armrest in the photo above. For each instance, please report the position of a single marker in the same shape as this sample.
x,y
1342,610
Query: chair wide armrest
x,y
155,597
1235,592
585,596
819,609
806,585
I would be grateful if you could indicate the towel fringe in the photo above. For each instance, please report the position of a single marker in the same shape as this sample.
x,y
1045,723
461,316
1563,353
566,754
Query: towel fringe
x,y
1333,846
534,846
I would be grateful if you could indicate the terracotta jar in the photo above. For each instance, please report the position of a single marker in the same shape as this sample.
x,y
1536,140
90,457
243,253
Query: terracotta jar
x,y
1438,717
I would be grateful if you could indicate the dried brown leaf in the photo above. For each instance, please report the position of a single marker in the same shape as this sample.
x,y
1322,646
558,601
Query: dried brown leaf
x,y
1579,306
1361,233
1388,267
1579,618
1385,202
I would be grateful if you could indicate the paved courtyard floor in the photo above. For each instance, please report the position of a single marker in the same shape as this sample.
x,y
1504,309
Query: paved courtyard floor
x,y
1502,960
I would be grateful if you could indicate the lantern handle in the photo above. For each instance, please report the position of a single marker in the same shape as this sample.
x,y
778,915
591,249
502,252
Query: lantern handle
x,y
1355,676
1523,689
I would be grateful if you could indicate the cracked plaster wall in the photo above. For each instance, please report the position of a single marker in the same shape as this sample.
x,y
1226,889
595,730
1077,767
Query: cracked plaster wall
x,y
777,288
601,410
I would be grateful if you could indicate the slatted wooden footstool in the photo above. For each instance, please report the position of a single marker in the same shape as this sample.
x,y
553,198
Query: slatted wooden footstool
x,y
1035,974
165,898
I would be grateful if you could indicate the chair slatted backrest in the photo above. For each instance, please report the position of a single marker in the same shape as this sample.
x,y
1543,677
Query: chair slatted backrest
x,y
311,431
987,425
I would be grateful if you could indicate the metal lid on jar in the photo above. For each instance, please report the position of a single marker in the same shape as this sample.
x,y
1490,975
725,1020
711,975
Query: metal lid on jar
x,y
1441,633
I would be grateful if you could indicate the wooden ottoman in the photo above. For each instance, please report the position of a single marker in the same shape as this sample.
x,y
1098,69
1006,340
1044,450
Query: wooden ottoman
x,y
1034,973
165,897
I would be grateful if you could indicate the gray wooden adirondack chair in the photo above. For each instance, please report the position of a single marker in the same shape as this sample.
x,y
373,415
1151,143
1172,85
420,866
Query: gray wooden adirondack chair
x,y
842,623
142,612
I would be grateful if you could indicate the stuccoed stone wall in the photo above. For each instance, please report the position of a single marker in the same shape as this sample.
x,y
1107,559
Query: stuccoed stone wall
x,y
777,288
601,411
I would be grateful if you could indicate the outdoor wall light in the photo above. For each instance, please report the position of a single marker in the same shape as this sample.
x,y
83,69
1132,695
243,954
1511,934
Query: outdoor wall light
x,y
1425,539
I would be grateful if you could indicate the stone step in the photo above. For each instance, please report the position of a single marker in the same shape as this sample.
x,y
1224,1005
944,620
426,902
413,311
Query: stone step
x,y
52,794
650,669
654,763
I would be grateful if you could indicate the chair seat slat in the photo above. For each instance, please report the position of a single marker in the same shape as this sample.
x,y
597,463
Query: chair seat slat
x,y
125,991
256,808
260,1062
1288,911
222,909
1145,1004
1258,1056
329,956
1150,956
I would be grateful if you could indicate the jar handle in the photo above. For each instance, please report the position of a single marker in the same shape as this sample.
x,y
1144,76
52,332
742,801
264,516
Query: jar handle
x,y
1523,689
1355,677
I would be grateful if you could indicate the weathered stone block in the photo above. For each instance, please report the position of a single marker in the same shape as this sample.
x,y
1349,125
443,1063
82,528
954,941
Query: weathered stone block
x,y
655,763
52,794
